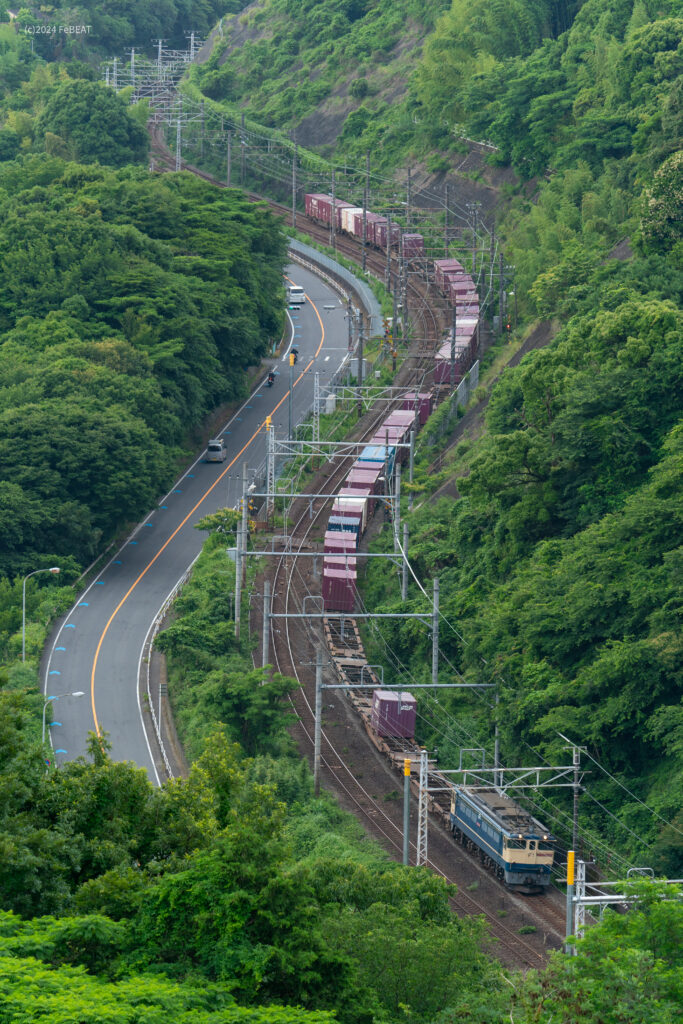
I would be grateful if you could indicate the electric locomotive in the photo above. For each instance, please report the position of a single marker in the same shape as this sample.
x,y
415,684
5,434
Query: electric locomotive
x,y
510,841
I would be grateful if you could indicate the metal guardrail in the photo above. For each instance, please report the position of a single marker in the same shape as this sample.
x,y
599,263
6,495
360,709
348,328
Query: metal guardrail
x,y
306,255
147,655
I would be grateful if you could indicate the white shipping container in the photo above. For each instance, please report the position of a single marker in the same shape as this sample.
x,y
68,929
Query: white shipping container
x,y
347,218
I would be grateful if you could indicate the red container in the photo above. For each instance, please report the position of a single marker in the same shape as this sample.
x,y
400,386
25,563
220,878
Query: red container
x,y
339,590
340,562
318,206
461,363
365,476
413,246
393,713
445,268
380,231
400,418
370,220
394,434
423,401
340,542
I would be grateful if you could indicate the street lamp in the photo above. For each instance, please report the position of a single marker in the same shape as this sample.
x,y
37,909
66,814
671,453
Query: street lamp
x,y
54,570
76,693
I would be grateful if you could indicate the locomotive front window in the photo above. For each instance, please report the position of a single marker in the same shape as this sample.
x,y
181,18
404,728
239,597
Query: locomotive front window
x,y
515,844
545,846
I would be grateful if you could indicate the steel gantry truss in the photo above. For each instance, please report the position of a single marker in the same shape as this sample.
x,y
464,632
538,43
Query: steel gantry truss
x,y
590,897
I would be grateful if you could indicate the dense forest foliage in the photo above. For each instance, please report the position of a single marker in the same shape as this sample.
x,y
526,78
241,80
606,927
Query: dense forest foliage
x,y
111,27
285,58
560,562
130,307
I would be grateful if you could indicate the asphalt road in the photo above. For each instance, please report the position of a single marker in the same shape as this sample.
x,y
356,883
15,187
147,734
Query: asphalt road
x,y
98,646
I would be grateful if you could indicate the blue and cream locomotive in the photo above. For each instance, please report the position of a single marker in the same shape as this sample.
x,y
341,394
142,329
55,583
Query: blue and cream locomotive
x,y
512,843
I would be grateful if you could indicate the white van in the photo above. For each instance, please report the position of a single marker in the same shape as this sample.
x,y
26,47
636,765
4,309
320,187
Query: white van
x,y
216,450
295,295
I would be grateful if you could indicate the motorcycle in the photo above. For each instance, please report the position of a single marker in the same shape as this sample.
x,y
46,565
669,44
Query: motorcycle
x,y
271,380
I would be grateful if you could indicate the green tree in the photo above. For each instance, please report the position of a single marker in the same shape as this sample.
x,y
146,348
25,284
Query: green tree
x,y
94,123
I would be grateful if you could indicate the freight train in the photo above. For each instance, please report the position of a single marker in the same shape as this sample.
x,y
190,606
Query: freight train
x,y
451,362
511,843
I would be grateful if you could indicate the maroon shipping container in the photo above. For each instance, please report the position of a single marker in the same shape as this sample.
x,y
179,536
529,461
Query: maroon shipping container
x,y
340,562
395,433
461,363
364,476
444,268
393,713
370,220
400,418
318,206
457,286
339,590
423,401
339,205
340,542
380,231
413,246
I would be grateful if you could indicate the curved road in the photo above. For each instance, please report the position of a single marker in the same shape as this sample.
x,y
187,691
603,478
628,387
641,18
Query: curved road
x,y
98,646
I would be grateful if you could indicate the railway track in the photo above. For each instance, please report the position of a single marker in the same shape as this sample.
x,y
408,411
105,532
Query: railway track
x,y
429,320
293,654
293,650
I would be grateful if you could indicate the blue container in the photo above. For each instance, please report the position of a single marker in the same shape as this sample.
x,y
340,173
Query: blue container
x,y
342,523
379,453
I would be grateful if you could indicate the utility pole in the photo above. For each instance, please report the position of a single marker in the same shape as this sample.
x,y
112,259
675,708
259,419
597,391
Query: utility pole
x,y
245,510
366,191
501,286
446,228
333,215
404,566
132,69
453,330
291,389
411,456
266,622
388,270
435,633
576,760
360,360
496,744
243,154
422,813
316,408
178,143
201,138
409,199
492,259
238,580
349,319
270,467
406,811
318,720
474,241
397,505
228,171
295,159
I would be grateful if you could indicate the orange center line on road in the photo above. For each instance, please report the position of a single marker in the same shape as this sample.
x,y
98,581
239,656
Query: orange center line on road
x,y
181,524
